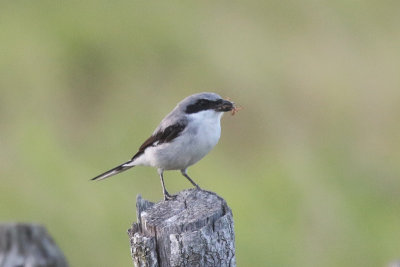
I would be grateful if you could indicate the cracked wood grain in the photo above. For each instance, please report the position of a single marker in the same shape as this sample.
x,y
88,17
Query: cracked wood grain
x,y
195,229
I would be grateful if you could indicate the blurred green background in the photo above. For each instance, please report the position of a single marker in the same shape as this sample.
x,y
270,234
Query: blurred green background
x,y
310,167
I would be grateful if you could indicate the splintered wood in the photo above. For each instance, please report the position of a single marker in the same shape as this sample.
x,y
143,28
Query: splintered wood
x,y
195,229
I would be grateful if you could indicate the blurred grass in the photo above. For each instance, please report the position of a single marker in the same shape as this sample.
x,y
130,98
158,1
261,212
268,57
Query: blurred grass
x,y
310,167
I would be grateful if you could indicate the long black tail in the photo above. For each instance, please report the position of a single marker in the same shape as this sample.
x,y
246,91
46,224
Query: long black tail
x,y
123,167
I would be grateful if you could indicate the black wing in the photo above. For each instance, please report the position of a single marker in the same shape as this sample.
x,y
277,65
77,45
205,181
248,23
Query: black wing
x,y
165,136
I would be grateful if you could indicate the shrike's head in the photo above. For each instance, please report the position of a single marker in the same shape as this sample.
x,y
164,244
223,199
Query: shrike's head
x,y
205,102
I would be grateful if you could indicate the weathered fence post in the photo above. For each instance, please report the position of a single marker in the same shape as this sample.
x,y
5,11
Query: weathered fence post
x,y
28,245
195,229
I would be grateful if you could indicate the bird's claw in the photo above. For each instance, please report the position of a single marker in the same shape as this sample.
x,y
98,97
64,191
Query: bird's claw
x,y
169,197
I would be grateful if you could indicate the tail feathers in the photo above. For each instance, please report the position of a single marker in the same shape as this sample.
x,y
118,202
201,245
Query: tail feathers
x,y
123,167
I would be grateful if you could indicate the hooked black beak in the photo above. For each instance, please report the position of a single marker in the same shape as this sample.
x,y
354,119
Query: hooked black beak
x,y
225,106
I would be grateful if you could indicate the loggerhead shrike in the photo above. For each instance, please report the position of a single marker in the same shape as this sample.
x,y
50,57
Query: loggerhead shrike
x,y
183,137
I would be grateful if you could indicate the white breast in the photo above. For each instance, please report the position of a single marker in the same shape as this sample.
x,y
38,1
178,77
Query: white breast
x,y
205,130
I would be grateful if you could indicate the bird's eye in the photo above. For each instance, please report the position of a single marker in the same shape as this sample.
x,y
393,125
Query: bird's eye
x,y
203,102
199,105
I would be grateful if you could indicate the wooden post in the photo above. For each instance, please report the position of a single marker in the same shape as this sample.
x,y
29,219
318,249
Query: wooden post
x,y
28,245
195,229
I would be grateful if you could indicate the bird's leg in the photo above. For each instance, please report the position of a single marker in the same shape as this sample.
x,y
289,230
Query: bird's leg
x,y
167,196
183,171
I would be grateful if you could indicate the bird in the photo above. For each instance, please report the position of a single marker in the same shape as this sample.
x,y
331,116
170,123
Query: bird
x,y
188,133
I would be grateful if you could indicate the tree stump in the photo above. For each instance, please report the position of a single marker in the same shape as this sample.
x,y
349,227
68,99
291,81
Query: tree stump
x,y
28,245
195,229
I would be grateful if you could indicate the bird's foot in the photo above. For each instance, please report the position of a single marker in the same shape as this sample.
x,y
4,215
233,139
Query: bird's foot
x,y
167,196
